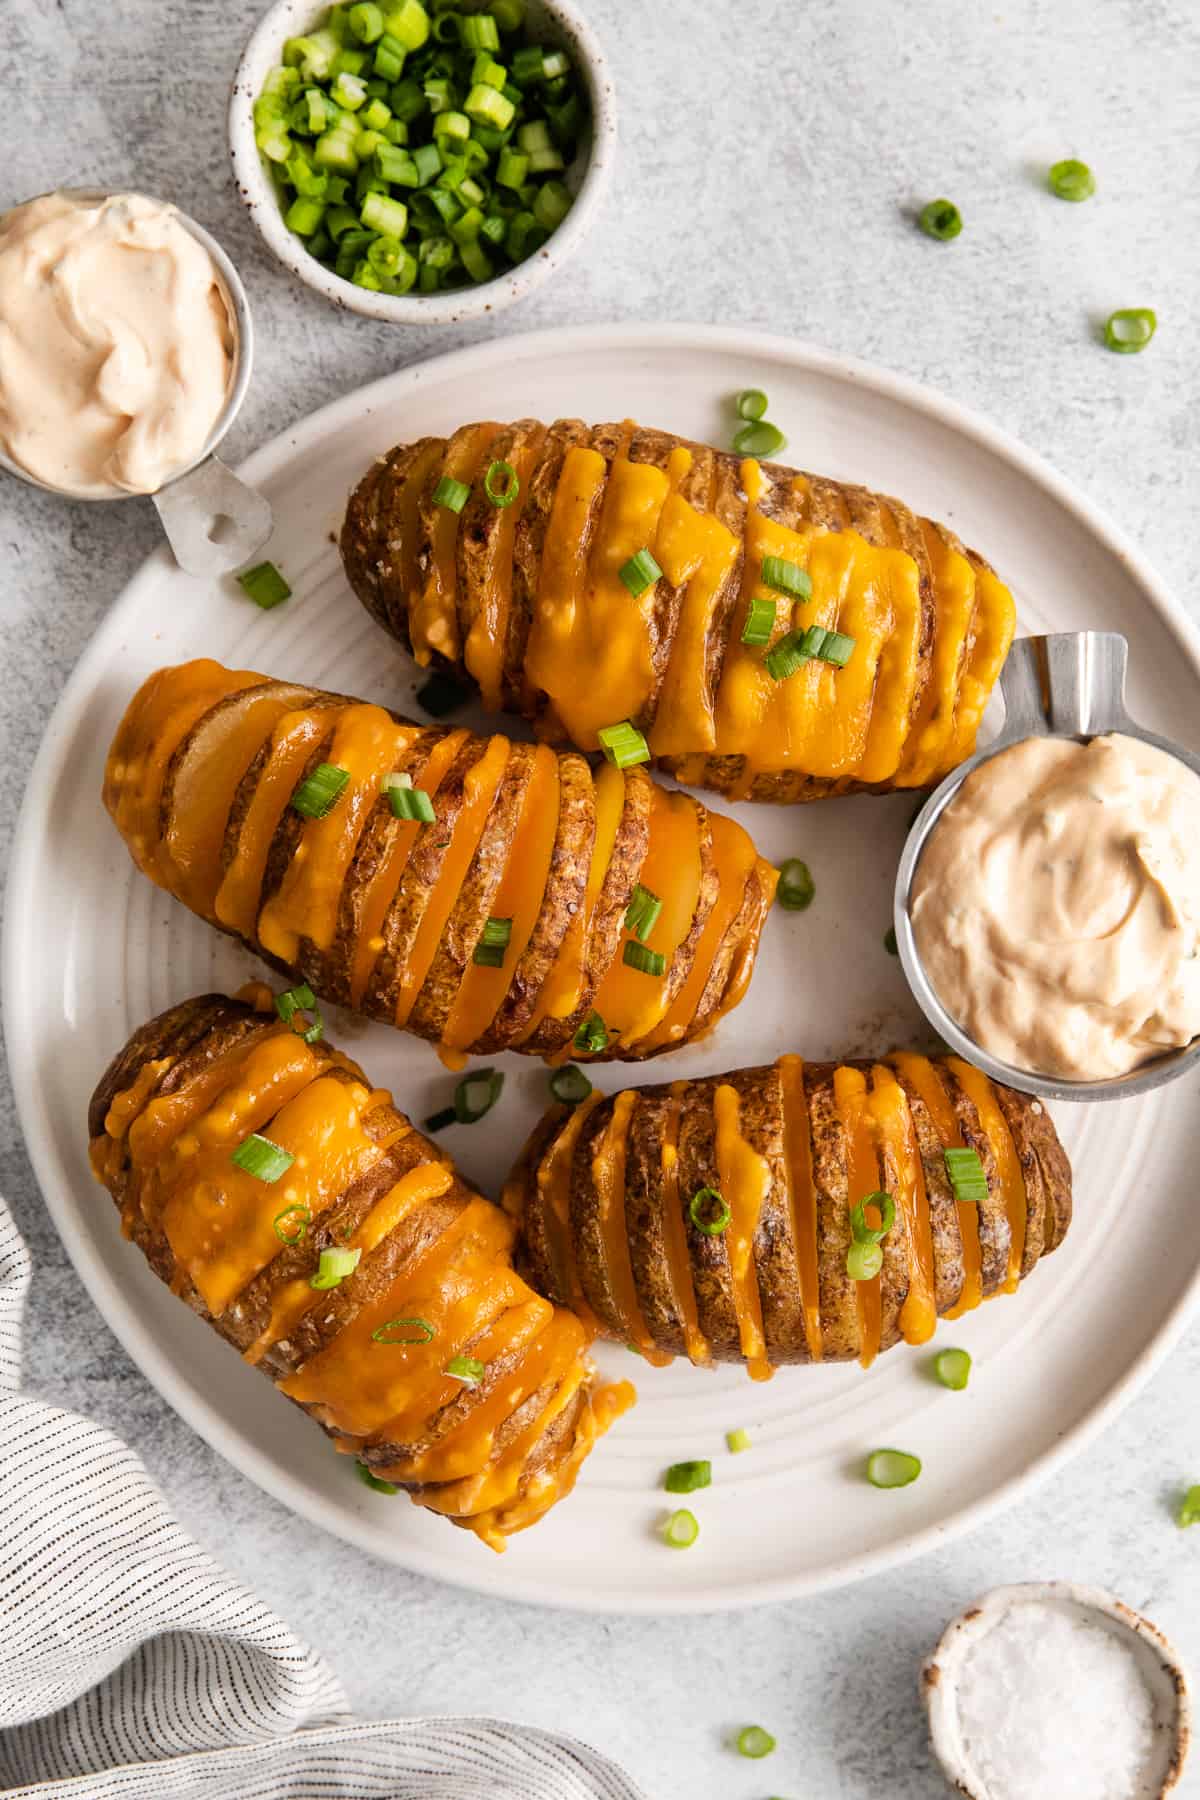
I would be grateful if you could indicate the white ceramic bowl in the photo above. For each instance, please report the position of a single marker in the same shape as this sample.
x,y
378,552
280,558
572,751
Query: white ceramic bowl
x,y
550,21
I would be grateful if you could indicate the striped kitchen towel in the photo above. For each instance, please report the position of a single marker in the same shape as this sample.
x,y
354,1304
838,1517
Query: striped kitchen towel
x,y
131,1665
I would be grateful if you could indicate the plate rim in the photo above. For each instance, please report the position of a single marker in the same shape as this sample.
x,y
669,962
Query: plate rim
x,y
37,1127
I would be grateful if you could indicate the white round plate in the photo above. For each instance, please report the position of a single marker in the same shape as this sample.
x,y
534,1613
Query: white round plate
x,y
92,949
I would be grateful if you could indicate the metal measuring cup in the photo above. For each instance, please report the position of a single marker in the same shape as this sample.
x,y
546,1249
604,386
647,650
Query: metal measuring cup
x,y
213,521
1071,684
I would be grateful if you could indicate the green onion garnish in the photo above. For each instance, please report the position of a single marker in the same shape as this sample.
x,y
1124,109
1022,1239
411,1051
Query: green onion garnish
x,y
1189,1508
709,1212
476,1094
640,572
681,1529
404,1331
333,1268
953,1368
751,404
892,1468
796,887
641,957
292,1233
760,622
641,915
1130,330
301,1000
366,22
451,494
623,744
863,1233
318,791
786,577
687,1477
467,1369
591,1036
373,1481
799,647
493,942
407,801
759,439
889,941
966,1175
753,1741
1071,180
738,1440
259,1157
501,484
442,694
863,1261
570,1085
941,219
265,585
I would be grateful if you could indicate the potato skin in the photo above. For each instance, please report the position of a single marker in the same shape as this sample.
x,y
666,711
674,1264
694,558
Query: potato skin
x,y
168,1054
776,1258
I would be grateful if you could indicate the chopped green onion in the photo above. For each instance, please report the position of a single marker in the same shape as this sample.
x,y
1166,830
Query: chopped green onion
x,y
442,695
527,64
863,1261
1072,180
487,107
786,577
373,1481
451,494
708,1212
836,647
863,1233
953,1368
349,91
318,791
889,941
643,959
427,160
966,1175
554,65
389,57
265,585
623,744
478,31
408,21
407,801
551,204
641,915
333,1268
259,1157
1130,330
301,1000
404,1331
751,404
591,1036
366,22
486,69
940,219
760,622
493,942
796,888
640,572
738,1440
303,216
501,484
570,1085
892,1468
681,1529
512,170
687,1477
753,1741
467,1369
508,14
289,1234
1189,1508
799,647
758,439
383,214
476,1094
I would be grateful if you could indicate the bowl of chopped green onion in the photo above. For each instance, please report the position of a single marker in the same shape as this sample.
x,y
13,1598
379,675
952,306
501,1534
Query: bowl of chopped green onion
x,y
422,161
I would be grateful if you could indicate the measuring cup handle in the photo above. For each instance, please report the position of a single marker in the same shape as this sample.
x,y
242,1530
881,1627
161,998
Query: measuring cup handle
x,y
214,522
1072,683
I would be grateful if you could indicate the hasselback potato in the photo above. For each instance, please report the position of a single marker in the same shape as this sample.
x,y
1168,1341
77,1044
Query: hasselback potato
x,y
614,1199
390,915
531,600
372,1357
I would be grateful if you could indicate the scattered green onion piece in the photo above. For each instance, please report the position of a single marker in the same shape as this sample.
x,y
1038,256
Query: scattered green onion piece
x,y
490,951
687,1477
478,31
753,1741
1071,180
642,913
759,439
796,888
389,57
889,941
681,1529
407,801
476,1094
333,1267
265,585
349,91
404,1331
387,216
786,577
885,1206
427,160
1189,1508
409,22
1130,329
487,107
301,1000
760,622
467,1369
751,405
569,1085
374,1482
501,484
709,1212
836,648
486,69
551,204
640,572
940,219
623,744
303,1218
591,1036
786,657
303,216
953,1368
451,494
442,695
445,28
318,791
366,22
863,1261
892,1468
527,64
966,1175
438,1121
641,957
738,1440
508,14
512,170
259,1157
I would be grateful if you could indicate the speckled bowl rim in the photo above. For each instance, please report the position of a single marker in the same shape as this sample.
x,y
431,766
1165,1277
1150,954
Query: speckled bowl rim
x,y
938,1694
287,18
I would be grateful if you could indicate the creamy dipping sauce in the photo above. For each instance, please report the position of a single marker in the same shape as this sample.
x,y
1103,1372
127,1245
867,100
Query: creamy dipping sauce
x,y
1056,906
116,343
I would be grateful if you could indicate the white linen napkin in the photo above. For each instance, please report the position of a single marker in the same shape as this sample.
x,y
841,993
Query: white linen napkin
x,y
131,1665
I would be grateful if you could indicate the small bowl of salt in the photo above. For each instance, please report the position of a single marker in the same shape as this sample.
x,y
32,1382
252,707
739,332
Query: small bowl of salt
x,y
1050,1689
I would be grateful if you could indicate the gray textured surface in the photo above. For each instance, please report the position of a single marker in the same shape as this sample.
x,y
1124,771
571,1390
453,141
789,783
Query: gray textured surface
x,y
765,179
